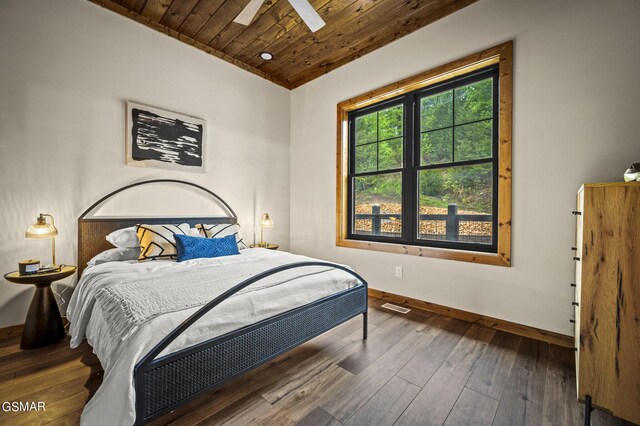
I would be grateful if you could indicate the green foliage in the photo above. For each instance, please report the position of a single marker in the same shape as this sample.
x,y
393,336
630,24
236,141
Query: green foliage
x,y
474,101
382,133
367,128
390,154
436,111
436,147
390,122
473,141
455,125
432,202
366,158
470,187
385,188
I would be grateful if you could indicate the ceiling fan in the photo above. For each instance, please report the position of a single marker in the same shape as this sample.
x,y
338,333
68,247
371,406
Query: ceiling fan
x,y
304,9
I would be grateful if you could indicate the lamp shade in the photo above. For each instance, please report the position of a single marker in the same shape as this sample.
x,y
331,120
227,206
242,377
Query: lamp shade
x,y
266,221
41,229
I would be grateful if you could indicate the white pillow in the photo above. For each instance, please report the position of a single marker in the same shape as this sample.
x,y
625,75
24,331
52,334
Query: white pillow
x,y
222,230
194,232
115,255
124,238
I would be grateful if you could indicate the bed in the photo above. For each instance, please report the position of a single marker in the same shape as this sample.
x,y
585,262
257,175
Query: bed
x,y
177,356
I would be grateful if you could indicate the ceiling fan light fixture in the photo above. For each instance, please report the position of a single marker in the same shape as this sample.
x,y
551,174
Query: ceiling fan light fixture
x,y
308,14
266,56
249,12
302,7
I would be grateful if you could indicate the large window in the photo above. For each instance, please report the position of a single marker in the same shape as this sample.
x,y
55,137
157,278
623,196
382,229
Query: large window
x,y
425,168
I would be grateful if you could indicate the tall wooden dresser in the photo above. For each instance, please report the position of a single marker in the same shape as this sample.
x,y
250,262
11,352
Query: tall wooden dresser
x,y
607,300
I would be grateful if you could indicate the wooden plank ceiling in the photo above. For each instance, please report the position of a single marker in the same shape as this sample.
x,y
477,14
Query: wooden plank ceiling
x,y
353,28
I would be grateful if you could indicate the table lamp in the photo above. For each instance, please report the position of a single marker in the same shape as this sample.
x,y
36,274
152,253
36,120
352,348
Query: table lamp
x,y
265,222
42,229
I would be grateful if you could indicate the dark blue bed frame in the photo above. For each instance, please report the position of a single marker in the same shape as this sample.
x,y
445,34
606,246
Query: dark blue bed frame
x,y
164,384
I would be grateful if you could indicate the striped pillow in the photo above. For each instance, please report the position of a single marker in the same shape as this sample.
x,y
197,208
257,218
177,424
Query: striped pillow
x,y
222,230
157,242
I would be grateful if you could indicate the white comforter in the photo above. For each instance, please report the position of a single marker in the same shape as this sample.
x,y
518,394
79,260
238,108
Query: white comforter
x,y
114,402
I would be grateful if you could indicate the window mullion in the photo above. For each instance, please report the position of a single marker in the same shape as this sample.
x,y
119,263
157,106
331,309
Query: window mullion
x,y
496,162
408,196
453,127
378,140
352,169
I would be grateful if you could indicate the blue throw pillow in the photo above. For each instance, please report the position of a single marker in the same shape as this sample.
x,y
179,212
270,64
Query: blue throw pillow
x,y
198,247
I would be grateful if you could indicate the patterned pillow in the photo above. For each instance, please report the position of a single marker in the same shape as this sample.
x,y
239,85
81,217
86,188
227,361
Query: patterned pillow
x,y
157,242
198,247
222,230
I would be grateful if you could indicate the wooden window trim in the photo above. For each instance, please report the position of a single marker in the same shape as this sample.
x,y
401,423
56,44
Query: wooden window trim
x,y
502,55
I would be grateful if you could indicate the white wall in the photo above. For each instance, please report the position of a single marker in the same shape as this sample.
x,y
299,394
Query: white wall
x,y
66,67
575,114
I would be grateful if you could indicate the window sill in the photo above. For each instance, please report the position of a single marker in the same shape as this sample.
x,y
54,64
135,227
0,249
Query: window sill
x,y
438,253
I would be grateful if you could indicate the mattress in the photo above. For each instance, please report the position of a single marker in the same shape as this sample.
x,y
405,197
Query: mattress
x,y
114,401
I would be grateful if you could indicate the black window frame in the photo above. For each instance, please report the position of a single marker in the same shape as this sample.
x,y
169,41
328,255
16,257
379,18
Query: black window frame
x,y
411,167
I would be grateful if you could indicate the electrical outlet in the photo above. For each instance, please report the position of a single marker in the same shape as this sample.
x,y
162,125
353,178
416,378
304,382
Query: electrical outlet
x,y
399,271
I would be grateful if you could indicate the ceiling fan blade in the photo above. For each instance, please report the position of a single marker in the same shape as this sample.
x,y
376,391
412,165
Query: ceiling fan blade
x,y
249,12
308,14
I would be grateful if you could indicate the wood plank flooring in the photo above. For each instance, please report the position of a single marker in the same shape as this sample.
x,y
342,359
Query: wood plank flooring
x,y
415,369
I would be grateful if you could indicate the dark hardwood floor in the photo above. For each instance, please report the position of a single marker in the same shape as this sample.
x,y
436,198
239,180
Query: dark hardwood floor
x,y
415,369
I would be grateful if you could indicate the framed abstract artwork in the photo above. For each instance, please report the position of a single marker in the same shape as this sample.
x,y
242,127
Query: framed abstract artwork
x,y
163,139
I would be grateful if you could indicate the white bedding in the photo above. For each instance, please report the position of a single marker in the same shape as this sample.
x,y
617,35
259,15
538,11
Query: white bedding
x,y
114,401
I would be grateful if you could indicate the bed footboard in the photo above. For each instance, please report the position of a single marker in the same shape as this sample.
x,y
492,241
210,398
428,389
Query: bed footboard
x,y
165,383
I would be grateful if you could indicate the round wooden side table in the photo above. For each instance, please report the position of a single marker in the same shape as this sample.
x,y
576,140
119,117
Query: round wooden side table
x,y
43,325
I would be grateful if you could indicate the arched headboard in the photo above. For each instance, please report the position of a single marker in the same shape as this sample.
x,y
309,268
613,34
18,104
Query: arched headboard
x,y
93,230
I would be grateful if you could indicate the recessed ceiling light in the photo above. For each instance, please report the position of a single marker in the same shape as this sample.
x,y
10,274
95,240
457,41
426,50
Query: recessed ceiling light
x,y
266,56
